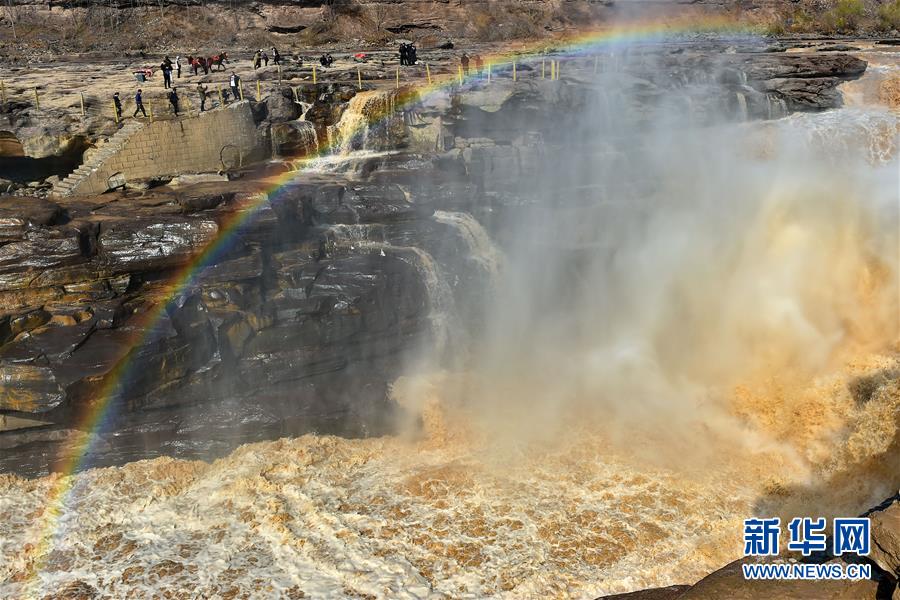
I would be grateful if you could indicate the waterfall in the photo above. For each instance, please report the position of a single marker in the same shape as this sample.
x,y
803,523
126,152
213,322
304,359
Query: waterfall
x,y
371,238
776,107
481,249
440,297
307,133
874,135
743,114
366,123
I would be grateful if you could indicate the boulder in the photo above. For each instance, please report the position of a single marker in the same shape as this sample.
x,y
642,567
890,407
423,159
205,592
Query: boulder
x,y
728,582
886,538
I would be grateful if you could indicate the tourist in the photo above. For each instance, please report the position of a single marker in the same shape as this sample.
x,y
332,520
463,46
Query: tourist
x,y
173,100
479,64
265,59
276,58
118,104
464,61
166,68
411,57
202,91
403,55
139,103
235,81
257,57
178,66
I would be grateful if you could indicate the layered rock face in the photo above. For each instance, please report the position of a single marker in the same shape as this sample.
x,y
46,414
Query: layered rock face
x,y
313,305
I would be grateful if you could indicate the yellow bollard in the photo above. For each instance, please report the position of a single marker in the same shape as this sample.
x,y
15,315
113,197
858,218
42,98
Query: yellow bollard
x,y
557,70
428,73
459,68
37,101
398,78
358,78
258,92
515,76
2,92
150,110
543,68
82,104
115,113
241,90
221,99
314,74
296,98
279,75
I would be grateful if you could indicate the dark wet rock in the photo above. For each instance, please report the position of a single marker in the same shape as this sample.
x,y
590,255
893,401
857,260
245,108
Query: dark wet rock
x,y
37,250
294,138
21,213
662,593
145,244
811,93
280,105
760,68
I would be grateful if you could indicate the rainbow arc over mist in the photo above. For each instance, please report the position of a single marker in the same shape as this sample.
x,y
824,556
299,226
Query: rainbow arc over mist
x,y
97,412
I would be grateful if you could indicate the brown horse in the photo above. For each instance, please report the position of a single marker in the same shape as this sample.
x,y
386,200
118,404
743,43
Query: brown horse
x,y
218,60
198,63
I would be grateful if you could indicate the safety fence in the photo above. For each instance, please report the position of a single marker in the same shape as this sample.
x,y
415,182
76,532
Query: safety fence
x,y
220,93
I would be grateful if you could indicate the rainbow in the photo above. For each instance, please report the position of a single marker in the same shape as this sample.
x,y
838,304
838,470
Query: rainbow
x,y
98,412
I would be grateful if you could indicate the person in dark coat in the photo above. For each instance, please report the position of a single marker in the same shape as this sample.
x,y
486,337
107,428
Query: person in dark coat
x,y
118,103
167,74
139,103
173,100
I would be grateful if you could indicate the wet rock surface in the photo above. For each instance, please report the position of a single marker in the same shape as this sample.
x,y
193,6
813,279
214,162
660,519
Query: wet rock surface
x,y
292,323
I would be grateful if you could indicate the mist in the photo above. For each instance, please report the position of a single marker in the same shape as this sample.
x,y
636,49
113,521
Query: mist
x,y
663,264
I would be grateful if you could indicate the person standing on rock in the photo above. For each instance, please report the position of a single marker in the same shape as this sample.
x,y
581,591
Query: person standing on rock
x,y
276,58
166,73
265,58
173,100
202,91
464,61
118,104
139,103
178,67
479,65
235,80
256,59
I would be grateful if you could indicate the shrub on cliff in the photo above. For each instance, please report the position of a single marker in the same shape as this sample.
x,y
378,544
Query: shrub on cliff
x,y
844,17
889,15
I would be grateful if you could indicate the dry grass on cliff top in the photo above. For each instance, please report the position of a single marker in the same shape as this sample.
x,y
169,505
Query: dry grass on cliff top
x,y
347,24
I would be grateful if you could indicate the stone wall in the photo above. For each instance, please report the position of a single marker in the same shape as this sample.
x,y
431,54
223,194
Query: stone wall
x,y
214,140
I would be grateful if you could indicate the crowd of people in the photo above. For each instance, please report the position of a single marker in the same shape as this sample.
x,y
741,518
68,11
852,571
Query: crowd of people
x,y
171,70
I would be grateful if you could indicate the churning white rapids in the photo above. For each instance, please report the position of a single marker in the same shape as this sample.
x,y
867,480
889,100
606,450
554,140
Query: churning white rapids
x,y
744,364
